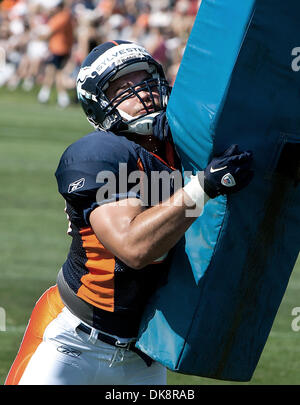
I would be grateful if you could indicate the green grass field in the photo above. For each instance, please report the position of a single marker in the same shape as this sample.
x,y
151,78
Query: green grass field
x,y
34,243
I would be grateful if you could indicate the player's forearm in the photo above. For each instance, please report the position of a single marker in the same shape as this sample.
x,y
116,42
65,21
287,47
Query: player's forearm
x,y
153,232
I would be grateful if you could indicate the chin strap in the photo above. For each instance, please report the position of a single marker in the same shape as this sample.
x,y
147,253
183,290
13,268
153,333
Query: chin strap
x,y
141,126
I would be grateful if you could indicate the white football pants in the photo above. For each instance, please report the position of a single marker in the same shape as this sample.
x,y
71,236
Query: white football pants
x,y
68,356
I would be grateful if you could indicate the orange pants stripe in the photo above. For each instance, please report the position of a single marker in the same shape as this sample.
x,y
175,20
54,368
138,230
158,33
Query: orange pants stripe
x,y
46,309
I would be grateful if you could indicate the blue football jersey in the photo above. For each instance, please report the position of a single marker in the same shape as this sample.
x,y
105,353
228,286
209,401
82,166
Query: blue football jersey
x,y
97,169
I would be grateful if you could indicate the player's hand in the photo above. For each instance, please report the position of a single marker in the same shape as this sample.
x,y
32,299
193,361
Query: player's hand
x,y
228,173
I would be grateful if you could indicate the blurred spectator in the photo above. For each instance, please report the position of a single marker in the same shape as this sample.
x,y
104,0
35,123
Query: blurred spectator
x,y
35,48
60,36
8,4
45,41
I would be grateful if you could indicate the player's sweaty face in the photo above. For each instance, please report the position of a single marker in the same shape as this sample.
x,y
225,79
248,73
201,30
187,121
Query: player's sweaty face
x,y
132,105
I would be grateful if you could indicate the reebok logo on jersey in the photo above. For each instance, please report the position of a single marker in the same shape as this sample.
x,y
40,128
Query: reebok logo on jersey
x,y
69,351
76,185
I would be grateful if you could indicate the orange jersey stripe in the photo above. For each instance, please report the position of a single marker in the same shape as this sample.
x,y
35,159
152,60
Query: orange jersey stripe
x,y
163,161
140,165
98,285
46,309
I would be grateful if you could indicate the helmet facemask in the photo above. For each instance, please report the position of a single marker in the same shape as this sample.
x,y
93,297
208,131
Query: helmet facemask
x,y
149,105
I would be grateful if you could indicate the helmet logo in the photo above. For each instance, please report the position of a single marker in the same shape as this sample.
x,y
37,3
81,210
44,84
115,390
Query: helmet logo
x,y
84,74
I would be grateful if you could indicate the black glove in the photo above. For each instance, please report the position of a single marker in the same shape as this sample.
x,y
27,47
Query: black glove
x,y
228,173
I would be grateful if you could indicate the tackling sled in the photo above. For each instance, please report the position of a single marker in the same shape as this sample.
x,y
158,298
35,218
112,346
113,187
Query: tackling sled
x,y
237,83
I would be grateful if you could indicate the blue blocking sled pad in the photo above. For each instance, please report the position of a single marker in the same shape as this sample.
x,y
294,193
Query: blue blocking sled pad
x,y
238,83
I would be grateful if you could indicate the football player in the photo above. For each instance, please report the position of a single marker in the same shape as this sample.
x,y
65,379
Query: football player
x,y
126,210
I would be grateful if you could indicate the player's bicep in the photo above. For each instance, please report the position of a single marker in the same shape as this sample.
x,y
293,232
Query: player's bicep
x,y
111,224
